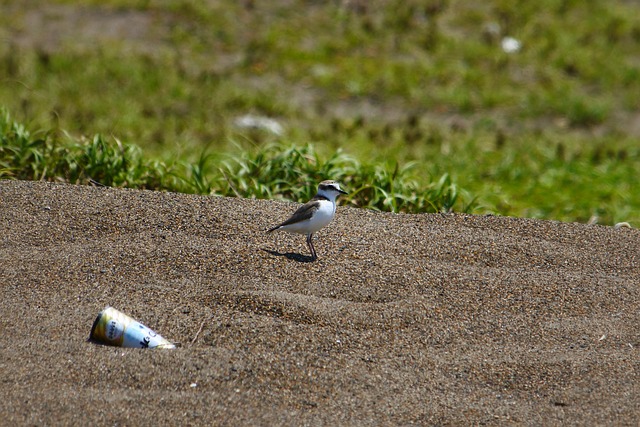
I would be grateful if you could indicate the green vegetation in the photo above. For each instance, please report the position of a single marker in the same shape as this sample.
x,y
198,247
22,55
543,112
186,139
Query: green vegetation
x,y
414,105
49,156
272,171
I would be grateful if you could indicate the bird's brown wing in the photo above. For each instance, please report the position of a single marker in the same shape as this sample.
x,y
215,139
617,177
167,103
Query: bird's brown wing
x,y
304,212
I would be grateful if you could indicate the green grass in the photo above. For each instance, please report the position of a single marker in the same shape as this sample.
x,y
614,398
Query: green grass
x,y
410,103
54,156
273,171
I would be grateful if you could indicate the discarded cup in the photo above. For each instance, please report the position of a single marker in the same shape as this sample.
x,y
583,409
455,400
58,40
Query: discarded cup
x,y
113,327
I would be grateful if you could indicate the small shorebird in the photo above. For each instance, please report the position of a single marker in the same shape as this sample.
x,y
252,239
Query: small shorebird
x,y
315,214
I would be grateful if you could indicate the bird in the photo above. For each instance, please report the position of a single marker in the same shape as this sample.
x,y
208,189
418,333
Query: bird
x,y
313,215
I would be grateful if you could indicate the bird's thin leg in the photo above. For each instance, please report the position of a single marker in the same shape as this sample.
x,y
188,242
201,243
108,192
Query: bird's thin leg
x,y
311,248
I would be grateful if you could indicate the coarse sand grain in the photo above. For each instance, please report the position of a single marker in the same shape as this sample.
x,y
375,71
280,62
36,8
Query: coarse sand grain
x,y
432,319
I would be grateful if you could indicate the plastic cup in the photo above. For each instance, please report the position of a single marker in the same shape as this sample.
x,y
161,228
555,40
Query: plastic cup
x,y
114,328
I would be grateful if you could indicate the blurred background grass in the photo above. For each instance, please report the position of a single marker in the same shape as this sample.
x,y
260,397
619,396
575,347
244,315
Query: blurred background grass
x,y
508,107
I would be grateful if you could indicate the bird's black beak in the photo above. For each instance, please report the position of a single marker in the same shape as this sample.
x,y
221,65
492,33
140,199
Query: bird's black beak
x,y
343,192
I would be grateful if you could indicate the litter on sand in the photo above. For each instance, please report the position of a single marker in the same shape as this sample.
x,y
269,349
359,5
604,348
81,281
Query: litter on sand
x,y
114,328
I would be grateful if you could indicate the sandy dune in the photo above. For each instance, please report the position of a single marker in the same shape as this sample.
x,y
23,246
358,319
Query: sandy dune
x,y
404,319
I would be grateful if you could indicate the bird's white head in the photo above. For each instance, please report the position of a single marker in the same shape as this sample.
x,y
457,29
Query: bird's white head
x,y
330,189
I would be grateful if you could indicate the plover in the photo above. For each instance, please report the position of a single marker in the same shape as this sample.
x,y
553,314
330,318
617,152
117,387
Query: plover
x,y
315,214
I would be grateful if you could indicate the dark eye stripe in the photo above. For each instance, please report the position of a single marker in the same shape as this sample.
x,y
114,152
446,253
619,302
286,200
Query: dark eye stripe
x,y
328,187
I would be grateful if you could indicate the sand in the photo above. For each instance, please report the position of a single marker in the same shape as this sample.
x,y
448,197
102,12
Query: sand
x,y
434,319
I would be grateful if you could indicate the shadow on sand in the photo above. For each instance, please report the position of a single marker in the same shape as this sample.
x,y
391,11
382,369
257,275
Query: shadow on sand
x,y
292,256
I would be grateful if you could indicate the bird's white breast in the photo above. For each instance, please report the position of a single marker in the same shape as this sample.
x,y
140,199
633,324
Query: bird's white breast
x,y
323,216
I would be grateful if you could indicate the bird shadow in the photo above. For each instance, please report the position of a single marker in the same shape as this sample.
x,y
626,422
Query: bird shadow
x,y
292,256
